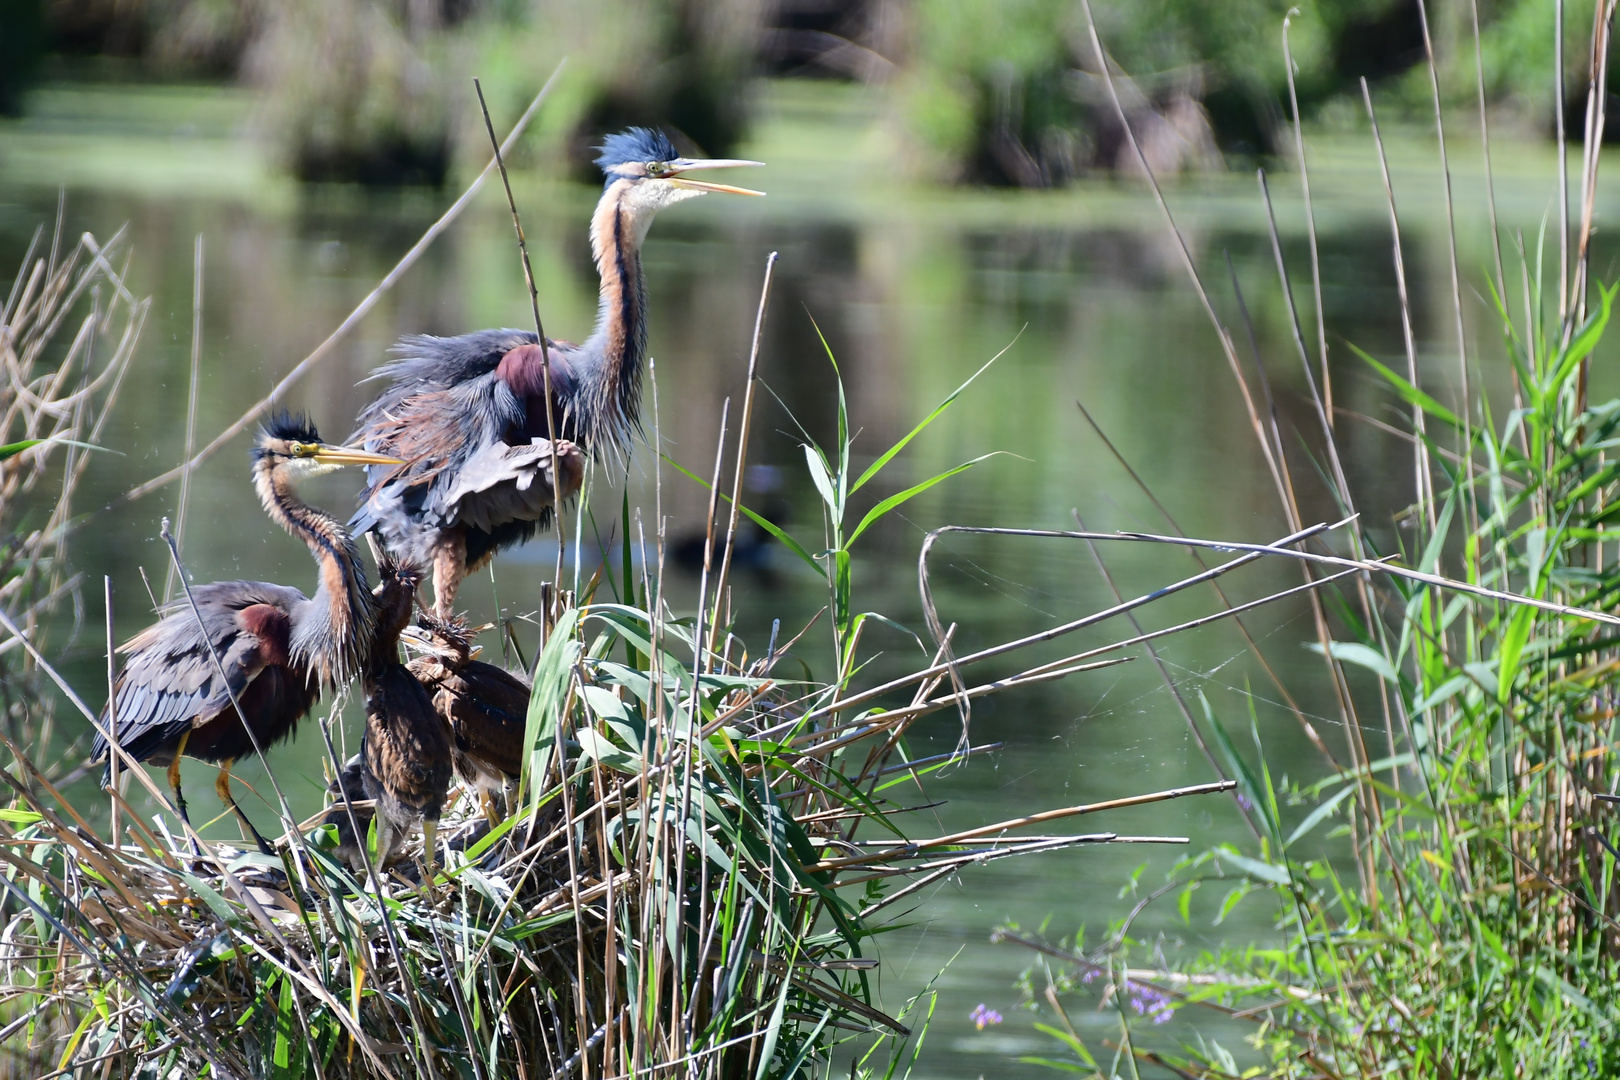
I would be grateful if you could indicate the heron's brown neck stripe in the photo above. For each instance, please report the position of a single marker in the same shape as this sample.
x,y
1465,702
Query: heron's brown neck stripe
x,y
615,245
343,592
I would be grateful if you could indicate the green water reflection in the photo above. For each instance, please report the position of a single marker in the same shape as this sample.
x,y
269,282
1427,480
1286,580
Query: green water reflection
x,y
914,289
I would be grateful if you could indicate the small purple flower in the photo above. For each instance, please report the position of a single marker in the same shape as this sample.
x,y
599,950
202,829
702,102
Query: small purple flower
x,y
1243,801
983,1016
1149,1002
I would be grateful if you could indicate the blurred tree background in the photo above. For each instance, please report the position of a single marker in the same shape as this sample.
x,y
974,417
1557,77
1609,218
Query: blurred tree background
x,y
999,92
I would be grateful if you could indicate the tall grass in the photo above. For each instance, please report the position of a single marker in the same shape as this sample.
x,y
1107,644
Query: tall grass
x,y
1447,904
68,331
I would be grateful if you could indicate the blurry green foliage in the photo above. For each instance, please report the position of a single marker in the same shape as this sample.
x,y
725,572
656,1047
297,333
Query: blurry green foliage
x,y
990,91
1007,92
357,90
684,65
380,91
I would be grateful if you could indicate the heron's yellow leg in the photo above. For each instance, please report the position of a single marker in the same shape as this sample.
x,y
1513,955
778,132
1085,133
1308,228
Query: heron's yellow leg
x,y
449,567
359,988
222,787
430,836
174,776
222,783
488,804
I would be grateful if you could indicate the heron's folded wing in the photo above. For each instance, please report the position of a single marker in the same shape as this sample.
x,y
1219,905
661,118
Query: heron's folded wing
x,y
502,483
436,431
171,680
485,706
407,752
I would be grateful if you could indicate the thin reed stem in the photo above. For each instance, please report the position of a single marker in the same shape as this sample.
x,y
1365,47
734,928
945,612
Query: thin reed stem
x,y
191,410
539,334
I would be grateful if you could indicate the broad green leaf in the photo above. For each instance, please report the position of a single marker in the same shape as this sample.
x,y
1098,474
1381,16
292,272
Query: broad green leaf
x,y
553,669
1318,815
1445,692
11,450
823,482
1586,339
895,500
1352,652
1510,650
594,746
1231,901
1071,1042
1248,784
1265,871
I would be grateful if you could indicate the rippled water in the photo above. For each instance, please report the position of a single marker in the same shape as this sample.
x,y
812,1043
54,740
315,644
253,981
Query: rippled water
x,y
914,288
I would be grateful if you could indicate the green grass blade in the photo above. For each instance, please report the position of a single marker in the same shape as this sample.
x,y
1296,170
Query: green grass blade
x,y
888,455
786,540
877,512
1411,393
11,450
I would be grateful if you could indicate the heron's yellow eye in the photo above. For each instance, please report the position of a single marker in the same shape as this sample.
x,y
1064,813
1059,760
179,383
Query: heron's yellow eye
x,y
305,449
657,169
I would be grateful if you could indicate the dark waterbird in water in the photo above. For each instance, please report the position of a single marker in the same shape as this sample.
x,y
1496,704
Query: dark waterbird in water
x,y
485,706
469,414
279,649
405,755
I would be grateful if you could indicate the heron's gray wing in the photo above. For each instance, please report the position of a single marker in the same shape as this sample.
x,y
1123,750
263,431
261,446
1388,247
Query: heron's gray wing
x,y
426,363
501,483
170,679
435,431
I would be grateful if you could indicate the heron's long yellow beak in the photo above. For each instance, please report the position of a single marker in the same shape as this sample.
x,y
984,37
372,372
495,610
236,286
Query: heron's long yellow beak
x,y
348,455
686,165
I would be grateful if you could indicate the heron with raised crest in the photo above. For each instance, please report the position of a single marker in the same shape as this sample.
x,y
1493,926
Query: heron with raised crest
x,y
494,426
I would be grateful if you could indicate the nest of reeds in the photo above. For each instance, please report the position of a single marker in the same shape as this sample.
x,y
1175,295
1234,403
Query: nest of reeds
x,y
671,889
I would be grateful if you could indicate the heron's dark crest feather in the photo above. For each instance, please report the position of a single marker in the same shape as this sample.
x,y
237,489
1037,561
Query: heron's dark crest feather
x,y
635,145
286,426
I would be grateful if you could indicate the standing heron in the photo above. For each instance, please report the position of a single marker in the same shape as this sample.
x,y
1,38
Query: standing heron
x,y
486,707
405,755
469,414
279,649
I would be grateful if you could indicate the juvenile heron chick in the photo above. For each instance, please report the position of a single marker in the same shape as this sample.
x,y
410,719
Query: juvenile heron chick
x,y
405,752
346,789
485,706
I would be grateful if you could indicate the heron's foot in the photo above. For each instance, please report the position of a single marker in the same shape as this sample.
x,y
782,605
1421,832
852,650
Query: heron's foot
x,y
571,466
430,855
491,814
222,786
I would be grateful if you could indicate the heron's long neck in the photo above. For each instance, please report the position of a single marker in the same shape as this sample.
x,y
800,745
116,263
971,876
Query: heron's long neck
x,y
608,370
330,632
